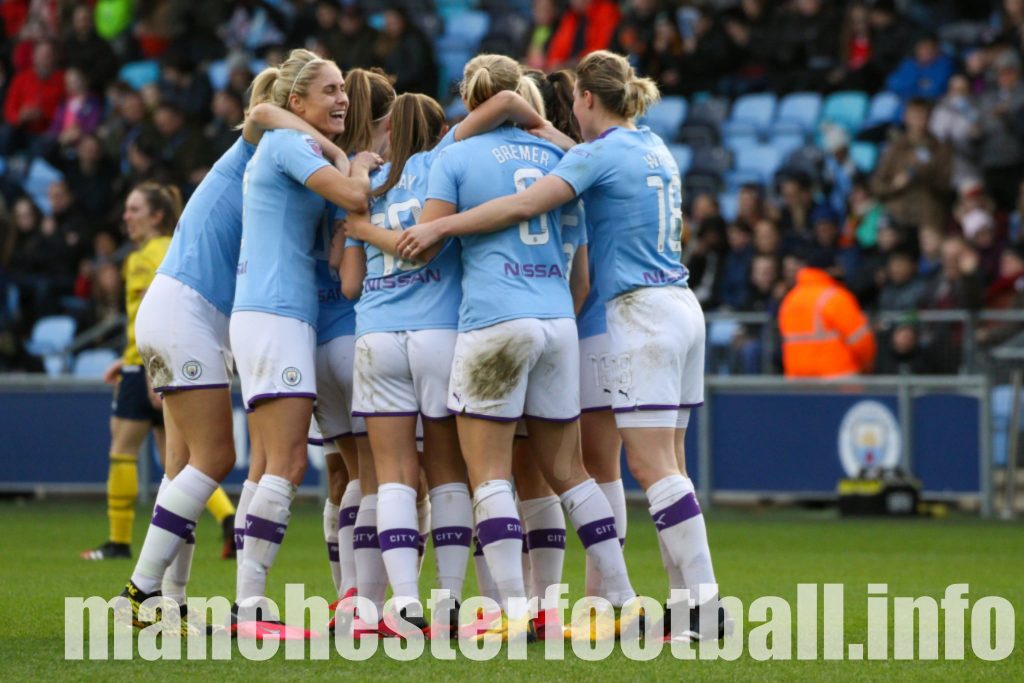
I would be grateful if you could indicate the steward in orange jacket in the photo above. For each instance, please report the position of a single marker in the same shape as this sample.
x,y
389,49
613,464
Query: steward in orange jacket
x,y
824,332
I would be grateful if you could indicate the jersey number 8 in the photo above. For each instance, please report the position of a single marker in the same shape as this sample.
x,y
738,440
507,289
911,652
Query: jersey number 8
x,y
542,235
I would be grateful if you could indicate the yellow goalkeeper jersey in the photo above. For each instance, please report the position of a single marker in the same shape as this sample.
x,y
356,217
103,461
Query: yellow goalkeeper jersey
x,y
139,271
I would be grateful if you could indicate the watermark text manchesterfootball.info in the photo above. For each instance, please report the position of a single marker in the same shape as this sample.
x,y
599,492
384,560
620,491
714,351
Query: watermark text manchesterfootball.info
x,y
950,627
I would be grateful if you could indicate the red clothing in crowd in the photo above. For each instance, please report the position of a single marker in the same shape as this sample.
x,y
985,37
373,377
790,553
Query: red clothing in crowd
x,y
602,17
28,90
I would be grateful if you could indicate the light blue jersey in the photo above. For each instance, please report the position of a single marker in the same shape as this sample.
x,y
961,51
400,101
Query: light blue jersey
x,y
591,320
204,250
280,218
400,295
337,315
630,185
517,271
574,233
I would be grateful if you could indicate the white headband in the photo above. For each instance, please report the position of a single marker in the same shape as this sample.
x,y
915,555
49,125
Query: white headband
x,y
299,75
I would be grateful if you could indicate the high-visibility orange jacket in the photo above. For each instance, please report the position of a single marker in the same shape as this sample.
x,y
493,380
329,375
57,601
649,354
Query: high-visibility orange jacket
x,y
824,331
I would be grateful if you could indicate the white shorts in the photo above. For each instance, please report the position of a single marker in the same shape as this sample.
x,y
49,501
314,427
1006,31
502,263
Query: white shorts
x,y
183,338
275,356
526,367
403,373
333,410
597,364
657,362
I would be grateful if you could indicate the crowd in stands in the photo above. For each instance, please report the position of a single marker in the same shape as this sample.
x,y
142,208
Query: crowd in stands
x,y
917,208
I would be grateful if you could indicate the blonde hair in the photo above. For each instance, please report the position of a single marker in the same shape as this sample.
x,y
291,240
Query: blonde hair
x,y
276,84
611,79
163,199
530,91
370,98
417,122
487,75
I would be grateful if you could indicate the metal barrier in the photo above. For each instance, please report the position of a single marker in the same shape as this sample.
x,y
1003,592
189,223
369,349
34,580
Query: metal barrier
x,y
905,389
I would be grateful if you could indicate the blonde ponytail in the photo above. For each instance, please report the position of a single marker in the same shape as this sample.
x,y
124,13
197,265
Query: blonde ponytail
x,y
487,75
611,79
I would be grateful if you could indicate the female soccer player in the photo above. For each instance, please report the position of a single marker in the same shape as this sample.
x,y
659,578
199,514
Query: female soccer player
x,y
183,329
150,212
275,309
406,327
516,352
630,185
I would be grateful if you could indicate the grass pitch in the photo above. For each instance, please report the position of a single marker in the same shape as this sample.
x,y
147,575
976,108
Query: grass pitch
x,y
755,554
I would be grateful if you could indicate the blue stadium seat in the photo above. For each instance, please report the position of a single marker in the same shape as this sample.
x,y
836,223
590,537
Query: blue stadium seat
x,y
739,134
37,182
683,155
464,31
846,108
735,143
762,159
884,108
91,364
218,73
452,8
51,337
864,155
450,65
456,110
786,143
139,74
666,117
801,109
729,205
756,110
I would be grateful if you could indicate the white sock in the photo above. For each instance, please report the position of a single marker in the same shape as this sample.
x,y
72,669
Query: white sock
x,y
423,522
451,521
177,574
331,538
347,511
501,536
248,491
616,495
545,539
680,525
484,580
675,575
266,522
525,555
371,575
399,538
177,508
592,517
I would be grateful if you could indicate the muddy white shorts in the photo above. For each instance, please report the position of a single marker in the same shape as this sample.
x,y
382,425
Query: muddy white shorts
x,y
597,367
526,367
333,410
183,338
403,373
657,356
274,355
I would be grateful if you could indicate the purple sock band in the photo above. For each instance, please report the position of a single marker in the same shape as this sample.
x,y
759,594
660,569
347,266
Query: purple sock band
x,y
478,550
391,539
264,529
498,529
169,521
597,531
239,538
332,552
683,509
347,516
191,540
452,535
364,538
546,538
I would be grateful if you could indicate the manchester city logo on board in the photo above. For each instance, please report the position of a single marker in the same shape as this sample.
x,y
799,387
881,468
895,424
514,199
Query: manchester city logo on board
x,y
192,370
291,376
869,437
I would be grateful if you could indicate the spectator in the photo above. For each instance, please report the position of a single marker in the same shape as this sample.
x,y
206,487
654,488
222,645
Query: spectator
x,y
979,230
795,212
404,52
42,263
913,174
903,290
839,167
356,48
890,35
904,352
853,70
70,222
544,16
635,33
767,240
825,244
228,114
328,37
929,243
750,204
1006,293
925,74
124,126
766,289
180,147
86,51
89,177
255,25
188,89
824,332
805,44
79,114
863,217
871,263
33,98
704,206
959,285
586,26
665,58
747,28
954,122
1016,228
733,285
705,261
1000,131
706,49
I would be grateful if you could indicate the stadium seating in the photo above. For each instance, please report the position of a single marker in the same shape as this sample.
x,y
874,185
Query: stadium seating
x,y
51,337
140,74
884,109
683,155
93,363
864,155
761,161
37,182
728,205
786,143
464,31
800,110
756,110
450,65
847,108
665,117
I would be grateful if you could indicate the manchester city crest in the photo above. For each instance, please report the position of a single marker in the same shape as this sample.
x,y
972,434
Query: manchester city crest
x,y
869,437
192,370
291,376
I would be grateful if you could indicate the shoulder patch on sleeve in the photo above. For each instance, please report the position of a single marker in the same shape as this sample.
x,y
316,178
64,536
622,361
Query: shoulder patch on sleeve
x,y
314,145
